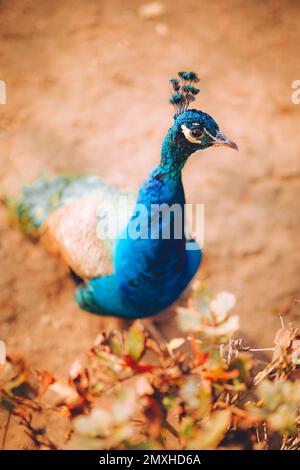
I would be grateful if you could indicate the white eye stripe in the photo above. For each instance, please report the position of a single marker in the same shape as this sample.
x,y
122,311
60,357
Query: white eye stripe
x,y
209,134
187,134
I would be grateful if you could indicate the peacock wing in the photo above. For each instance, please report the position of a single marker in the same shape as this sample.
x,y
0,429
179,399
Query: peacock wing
x,y
71,233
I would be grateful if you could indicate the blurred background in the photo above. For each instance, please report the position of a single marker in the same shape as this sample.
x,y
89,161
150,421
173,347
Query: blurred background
x,y
87,91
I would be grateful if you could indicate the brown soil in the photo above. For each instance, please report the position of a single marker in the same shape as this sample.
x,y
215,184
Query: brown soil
x,y
87,91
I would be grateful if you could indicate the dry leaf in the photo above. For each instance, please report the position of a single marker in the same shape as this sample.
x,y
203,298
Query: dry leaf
x,y
283,338
143,387
175,343
212,432
75,369
124,406
296,352
188,319
98,422
222,304
135,341
227,328
2,352
65,392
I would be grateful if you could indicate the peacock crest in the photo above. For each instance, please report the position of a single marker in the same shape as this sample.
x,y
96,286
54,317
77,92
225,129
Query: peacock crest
x,y
183,91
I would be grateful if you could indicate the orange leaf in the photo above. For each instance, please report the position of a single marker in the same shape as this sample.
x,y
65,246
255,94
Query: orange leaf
x,y
220,375
134,365
199,356
46,380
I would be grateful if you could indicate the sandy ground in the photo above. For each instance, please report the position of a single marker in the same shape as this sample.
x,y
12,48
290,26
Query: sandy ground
x,y
87,91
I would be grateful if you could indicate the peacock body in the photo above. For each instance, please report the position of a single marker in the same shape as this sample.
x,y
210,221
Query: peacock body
x,y
125,276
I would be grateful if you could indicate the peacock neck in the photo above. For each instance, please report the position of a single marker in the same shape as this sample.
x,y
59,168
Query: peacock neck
x,y
173,157
164,184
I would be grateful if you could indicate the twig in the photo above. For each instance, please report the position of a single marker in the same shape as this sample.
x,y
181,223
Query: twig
x,y
281,321
155,334
171,429
261,349
6,430
258,437
265,430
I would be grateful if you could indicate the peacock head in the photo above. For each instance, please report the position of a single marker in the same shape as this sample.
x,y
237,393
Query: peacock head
x,y
193,129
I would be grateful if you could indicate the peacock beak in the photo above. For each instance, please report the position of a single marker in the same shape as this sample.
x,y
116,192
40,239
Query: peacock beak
x,y
221,139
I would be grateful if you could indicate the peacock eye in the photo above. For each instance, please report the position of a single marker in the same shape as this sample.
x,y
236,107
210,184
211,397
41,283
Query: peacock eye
x,y
197,133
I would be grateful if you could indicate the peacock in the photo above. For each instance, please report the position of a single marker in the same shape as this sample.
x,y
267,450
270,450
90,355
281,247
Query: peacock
x,y
132,274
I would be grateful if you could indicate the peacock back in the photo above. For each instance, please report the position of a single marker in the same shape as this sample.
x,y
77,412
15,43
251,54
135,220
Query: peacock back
x,y
70,214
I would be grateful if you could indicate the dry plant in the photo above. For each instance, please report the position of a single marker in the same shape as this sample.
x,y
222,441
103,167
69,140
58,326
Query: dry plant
x,y
204,390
